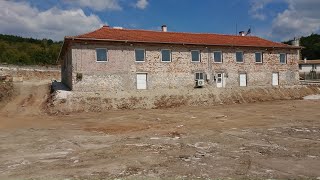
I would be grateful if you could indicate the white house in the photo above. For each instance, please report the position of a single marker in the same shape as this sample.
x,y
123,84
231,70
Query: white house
x,y
305,66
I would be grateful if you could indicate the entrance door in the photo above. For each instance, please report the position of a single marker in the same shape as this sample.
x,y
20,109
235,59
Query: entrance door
x,y
220,80
142,81
275,79
243,79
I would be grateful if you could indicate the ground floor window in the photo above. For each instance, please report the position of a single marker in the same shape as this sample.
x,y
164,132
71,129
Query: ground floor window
x,y
199,76
142,81
243,79
275,79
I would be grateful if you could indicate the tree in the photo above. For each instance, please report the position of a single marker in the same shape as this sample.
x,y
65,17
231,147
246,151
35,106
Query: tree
x,y
311,46
27,51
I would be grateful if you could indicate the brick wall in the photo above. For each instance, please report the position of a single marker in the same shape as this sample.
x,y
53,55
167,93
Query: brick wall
x,y
119,73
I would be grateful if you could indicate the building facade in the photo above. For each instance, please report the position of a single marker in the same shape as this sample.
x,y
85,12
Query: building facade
x,y
306,66
115,60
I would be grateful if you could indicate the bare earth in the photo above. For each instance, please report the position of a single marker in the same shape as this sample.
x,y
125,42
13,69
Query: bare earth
x,y
251,141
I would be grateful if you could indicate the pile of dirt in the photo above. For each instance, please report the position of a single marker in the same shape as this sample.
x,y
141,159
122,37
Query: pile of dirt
x,y
6,91
29,98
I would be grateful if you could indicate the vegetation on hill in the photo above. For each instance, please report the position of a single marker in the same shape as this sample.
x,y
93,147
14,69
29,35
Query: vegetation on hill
x,y
312,46
28,51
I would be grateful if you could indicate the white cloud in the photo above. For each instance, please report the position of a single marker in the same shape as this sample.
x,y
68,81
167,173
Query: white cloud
x,y
299,19
141,4
19,18
256,9
98,5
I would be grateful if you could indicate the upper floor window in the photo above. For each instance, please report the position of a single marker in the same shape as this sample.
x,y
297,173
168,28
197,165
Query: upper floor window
x,y
199,76
258,57
239,57
195,56
217,57
283,58
166,55
140,55
101,54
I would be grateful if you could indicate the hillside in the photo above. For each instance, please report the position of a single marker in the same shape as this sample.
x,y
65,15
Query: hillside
x,y
28,51
312,46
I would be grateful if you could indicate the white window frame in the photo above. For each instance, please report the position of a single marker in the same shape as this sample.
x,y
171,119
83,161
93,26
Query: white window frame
x,y
170,55
285,58
240,79
255,59
199,75
199,55
146,80
242,56
107,55
221,56
144,57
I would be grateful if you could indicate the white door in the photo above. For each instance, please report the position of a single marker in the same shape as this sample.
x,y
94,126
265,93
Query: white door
x,y
275,79
243,79
219,80
142,81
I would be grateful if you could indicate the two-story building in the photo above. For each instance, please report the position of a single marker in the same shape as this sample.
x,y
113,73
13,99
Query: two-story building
x,y
115,59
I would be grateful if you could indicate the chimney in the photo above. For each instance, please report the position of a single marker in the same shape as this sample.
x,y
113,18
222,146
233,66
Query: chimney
x,y
295,42
164,28
241,33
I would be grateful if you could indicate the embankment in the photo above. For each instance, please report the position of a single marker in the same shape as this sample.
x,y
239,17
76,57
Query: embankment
x,y
66,101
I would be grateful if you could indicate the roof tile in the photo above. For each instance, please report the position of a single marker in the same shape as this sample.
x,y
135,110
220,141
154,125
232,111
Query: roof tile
x,y
111,34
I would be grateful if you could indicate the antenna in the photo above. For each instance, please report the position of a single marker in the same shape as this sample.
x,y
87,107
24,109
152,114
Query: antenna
x,y
236,28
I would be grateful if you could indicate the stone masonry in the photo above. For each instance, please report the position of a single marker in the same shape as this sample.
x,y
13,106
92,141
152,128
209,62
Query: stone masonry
x,y
119,72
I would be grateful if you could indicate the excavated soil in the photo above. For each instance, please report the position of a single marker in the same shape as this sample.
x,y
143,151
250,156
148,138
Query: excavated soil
x,y
6,91
262,140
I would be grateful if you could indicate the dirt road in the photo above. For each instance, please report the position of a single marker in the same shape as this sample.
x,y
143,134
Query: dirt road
x,y
252,141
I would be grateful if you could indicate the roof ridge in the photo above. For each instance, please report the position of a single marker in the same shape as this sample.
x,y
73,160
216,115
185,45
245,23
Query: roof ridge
x,y
172,32
90,32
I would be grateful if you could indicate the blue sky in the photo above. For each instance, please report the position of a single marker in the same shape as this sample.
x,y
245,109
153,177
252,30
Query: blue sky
x,y
277,20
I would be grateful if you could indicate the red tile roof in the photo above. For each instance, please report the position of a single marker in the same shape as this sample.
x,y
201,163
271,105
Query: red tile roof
x,y
110,34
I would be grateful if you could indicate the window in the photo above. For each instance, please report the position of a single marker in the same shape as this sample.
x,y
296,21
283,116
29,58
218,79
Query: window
x,y
258,57
140,55
239,57
101,55
166,55
199,75
217,57
243,79
195,56
300,66
283,58
314,67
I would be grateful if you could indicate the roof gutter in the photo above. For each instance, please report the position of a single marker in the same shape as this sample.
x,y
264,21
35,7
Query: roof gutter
x,y
182,43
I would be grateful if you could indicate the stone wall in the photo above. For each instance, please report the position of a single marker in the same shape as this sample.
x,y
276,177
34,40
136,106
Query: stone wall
x,y
24,73
119,73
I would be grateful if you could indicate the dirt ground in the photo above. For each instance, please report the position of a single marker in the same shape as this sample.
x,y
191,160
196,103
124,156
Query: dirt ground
x,y
269,140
